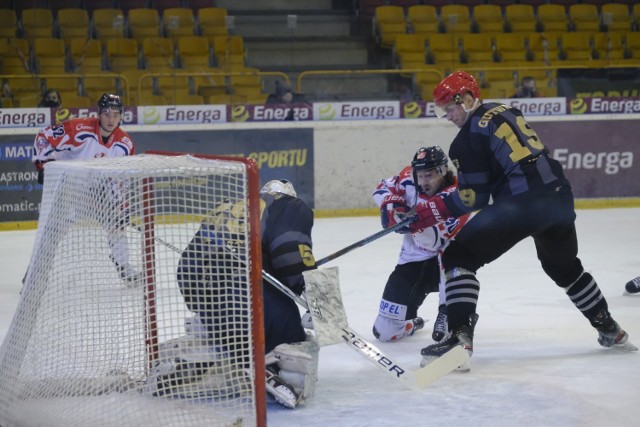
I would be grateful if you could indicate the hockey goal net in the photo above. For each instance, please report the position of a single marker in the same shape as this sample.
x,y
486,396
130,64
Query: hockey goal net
x,y
108,331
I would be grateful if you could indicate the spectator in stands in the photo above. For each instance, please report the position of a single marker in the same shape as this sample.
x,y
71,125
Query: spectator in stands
x,y
402,89
527,89
284,95
51,99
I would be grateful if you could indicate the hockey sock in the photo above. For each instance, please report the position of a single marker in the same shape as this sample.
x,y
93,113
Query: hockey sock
x,y
585,293
462,289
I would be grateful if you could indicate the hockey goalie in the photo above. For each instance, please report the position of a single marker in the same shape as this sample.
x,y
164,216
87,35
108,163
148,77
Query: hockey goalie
x,y
205,276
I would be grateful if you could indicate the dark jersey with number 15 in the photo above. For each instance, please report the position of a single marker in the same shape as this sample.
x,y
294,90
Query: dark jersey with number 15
x,y
498,155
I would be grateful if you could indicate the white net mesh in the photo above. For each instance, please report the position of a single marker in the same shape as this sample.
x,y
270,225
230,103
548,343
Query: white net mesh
x,y
99,335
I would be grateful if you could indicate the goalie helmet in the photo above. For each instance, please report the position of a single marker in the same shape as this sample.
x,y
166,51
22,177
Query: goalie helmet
x,y
279,186
452,88
109,101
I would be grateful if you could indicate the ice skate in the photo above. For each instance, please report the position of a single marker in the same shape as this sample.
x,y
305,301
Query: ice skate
x,y
418,323
440,325
462,336
610,334
130,275
632,286
282,392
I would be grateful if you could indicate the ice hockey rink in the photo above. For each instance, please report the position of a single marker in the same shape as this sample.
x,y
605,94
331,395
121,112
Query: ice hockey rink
x,y
536,359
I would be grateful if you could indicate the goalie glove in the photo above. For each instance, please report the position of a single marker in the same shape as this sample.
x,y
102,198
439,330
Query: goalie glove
x,y
394,210
430,213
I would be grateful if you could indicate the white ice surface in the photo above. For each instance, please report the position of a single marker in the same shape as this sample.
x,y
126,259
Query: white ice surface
x,y
536,361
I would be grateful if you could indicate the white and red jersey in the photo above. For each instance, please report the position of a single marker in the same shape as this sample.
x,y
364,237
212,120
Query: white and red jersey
x,y
428,242
79,139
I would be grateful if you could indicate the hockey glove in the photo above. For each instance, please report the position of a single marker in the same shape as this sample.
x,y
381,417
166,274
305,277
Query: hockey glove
x,y
430,213
393,210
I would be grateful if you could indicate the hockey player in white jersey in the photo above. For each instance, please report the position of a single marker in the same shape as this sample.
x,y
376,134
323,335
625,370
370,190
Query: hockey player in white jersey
x,y
92,138
417,272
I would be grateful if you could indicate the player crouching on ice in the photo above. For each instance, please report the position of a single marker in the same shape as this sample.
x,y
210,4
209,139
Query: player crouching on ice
x,y
417,272
292,355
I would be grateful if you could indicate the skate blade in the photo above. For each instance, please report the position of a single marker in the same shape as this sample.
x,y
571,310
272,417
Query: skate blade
x,y
627,346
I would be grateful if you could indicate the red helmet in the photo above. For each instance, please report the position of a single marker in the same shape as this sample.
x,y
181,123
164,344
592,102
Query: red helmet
x,y
454,86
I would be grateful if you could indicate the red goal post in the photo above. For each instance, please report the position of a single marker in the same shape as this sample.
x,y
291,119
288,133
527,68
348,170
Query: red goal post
x,y
85,343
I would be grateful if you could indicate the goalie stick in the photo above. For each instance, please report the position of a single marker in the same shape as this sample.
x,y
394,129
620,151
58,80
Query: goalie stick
x,y
365,241
319,298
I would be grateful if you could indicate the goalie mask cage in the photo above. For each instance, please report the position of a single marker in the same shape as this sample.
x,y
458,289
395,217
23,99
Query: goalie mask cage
x,y
88,348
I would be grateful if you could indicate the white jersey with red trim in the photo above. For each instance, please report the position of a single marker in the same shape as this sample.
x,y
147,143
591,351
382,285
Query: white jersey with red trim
x,y
425,243
79,139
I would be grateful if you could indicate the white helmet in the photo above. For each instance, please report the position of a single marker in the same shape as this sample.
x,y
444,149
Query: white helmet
x,y
279,186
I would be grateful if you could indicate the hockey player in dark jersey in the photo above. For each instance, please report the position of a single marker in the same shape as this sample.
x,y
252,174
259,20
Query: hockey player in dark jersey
x,y
499,156
285,227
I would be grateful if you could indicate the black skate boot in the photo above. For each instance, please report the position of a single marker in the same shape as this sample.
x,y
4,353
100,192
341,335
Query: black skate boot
x,y
418,323
610,334
633,286
463,336
440,325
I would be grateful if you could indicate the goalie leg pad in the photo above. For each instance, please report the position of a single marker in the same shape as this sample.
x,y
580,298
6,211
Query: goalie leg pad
x,y
298,363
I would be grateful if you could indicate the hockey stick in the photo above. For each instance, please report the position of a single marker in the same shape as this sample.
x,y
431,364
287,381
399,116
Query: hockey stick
x,y
317,296
365,241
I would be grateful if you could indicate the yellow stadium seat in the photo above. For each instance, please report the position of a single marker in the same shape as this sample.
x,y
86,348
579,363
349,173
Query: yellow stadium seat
x,y
36,23
584,17
455,18
49,55
108,24
73,23
8,23
477,48
158,53
635,16
576,47
183,98
229,50
632,44
409,50
136,78
511,47
76,101
423,19
147,98
27,85
122,54
609,46
213,21
26,101
15,56
487,18
63,84
552,17
615,17
520,18
388,22
170,83
144,23
211,82
193,52
215,99
246,78
545,47
85,55
178,22
443,48
95,85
